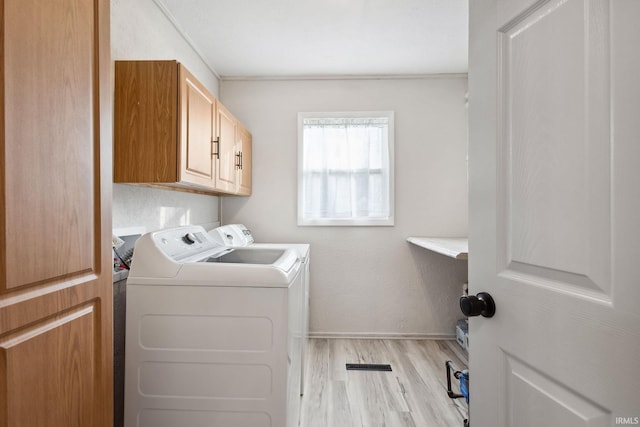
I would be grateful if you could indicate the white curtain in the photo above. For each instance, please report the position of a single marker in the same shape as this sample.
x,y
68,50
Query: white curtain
x,y
345,168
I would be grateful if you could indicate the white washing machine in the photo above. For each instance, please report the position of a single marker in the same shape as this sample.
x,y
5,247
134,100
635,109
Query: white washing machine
x,y
236,236
208,333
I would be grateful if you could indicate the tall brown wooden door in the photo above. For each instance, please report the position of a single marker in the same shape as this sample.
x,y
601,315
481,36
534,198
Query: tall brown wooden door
x,y
55,214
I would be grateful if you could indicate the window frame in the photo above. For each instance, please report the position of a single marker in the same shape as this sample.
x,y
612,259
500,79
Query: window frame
x,y
386,221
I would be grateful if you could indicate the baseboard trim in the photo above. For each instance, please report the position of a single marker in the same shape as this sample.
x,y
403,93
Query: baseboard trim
x,y
381,336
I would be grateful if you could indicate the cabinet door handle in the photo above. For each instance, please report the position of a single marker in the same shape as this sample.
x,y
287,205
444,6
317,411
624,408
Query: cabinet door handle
x,y
217,150
241,160
238,160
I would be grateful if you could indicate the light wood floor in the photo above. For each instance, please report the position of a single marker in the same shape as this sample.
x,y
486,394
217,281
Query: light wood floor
x,y
413,394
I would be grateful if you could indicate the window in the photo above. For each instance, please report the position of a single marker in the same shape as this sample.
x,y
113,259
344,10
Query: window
x,y
345,168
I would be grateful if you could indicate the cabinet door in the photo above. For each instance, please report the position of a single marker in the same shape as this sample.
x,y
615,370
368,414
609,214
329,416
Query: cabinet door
x,y
198,149
244,147
56,360
226,179
146,122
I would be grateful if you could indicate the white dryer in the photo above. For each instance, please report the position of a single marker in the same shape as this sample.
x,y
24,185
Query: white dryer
x,y
239,236
208,333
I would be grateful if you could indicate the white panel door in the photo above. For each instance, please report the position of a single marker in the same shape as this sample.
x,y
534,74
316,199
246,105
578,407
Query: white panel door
x,y
554,155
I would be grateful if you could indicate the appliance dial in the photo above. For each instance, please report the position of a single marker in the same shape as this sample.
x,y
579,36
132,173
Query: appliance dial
x,y
189,238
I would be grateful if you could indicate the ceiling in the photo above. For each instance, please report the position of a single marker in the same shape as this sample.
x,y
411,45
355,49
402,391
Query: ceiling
x,y
288,38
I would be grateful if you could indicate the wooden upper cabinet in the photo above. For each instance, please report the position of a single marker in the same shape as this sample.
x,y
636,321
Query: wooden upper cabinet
x,y
171,132
197,130
226,174
243,142
233,173
146,122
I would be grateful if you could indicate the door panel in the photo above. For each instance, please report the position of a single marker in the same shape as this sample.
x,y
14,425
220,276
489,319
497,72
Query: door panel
x,y
198,113
199,128
556,148
41,144
529,390
226,178
245,147
64,348
55,214
552,152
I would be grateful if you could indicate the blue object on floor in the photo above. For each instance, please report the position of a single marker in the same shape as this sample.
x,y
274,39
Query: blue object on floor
x,y
464,384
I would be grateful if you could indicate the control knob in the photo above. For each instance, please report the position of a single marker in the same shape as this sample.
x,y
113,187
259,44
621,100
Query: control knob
x,y
189,238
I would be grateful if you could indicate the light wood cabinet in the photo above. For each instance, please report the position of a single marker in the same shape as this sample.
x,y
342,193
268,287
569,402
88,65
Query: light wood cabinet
x,y
243,142
197,132
146,122
226,175
171,132
234,166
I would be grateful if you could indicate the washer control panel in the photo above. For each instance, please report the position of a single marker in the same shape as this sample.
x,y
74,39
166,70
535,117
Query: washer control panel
x,y
183,242
232,235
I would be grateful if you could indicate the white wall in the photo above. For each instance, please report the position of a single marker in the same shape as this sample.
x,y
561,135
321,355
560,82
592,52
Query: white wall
x,y
139,30
366,281
154,209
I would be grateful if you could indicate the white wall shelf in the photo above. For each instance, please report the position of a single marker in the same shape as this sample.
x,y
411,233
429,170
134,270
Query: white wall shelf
x,y
454,247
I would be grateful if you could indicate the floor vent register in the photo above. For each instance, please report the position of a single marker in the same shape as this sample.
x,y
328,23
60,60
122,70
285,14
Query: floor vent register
x,y
368,367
